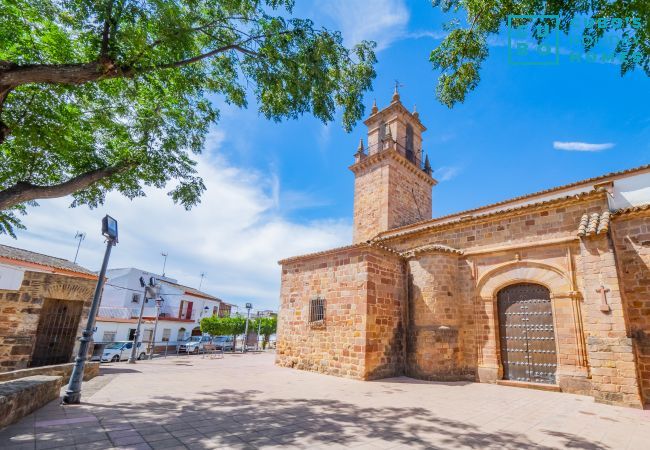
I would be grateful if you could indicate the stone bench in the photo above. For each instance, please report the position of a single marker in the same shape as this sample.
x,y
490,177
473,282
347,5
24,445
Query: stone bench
x,y
22,396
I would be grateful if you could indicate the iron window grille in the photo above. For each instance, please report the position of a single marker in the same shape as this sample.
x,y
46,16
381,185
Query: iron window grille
x,y
317,310
135,298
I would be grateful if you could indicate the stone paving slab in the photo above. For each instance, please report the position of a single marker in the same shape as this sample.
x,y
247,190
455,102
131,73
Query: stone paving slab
x,y
245,402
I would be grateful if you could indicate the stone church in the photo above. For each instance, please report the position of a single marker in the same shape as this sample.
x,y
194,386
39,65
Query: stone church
x,y
549,290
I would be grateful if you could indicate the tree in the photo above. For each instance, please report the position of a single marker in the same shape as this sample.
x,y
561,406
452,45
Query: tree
x,y
267,326
461,53
114,95
214,326
224,326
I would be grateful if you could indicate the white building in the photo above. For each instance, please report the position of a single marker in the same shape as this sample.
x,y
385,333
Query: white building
x,y
181,310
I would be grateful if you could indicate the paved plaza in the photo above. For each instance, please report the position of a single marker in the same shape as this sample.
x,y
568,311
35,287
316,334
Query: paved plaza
x,y
244,401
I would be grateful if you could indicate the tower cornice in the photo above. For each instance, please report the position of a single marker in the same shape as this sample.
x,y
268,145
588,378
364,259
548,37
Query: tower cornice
x,y
392,153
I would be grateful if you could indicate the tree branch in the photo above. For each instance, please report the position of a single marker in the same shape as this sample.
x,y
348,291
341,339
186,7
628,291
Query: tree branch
x,y
73,74
23,191
106,34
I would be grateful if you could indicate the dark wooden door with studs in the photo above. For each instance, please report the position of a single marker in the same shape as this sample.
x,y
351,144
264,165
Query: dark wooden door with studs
x,y
526,333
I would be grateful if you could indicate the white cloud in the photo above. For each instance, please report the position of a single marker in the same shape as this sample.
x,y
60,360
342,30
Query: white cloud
x,y
429,34
581,146
446,173
382,21
237,234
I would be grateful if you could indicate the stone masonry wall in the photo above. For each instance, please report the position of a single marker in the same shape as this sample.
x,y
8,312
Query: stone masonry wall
x,y
20,313
434,347
609,349
388,194
409,199
385,323
361,335
631,236
370,202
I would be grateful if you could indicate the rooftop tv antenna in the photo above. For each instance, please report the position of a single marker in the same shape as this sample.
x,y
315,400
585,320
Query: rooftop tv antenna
x,y
164,255
81,236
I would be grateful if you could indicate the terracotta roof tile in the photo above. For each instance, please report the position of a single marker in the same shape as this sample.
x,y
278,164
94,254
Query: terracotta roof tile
x,y
430,248
632,209
19,254
593,224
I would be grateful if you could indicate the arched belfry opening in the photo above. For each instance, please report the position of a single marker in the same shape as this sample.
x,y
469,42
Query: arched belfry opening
x,y
526,333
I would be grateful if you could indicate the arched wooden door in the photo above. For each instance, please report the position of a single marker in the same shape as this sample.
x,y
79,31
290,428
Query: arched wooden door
x,y
526,333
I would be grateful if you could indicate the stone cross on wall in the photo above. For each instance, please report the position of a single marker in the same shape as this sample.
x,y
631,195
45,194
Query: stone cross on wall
x,y
604,307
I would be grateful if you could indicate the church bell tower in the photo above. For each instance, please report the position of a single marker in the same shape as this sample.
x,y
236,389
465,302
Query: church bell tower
x,y
392,181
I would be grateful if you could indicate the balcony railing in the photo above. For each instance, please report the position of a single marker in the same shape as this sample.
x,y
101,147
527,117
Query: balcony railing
x,y
411,154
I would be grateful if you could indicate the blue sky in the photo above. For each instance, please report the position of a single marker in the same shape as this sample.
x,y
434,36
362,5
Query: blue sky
x,y
280,189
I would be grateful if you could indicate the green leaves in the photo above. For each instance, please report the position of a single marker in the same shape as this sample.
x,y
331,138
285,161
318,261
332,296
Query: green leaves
x,y
460,54
95,84
224,326
459,58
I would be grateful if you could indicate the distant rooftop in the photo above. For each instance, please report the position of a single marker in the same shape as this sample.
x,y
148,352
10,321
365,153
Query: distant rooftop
x,y
39,259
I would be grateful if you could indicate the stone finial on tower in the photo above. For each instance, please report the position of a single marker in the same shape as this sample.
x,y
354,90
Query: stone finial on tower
x,y
427,166
396,92
416,114
374,106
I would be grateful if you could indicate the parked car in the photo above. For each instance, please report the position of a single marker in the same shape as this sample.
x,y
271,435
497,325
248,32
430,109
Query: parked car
x,y
224,343
120,351
194,344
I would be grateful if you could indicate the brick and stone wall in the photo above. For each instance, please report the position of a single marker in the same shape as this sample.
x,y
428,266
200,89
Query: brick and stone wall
x,y
434,339
91,370
360,336
21,397
631,237
389,192
20,313
385,316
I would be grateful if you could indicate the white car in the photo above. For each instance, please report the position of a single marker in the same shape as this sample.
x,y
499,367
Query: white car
x,y
120,351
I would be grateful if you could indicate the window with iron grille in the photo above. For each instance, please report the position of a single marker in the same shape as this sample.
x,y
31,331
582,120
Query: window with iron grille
x,y
317,310
135,298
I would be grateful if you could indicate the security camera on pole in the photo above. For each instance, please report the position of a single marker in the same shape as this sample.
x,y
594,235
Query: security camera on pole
x,y
249,306
73,392
150,291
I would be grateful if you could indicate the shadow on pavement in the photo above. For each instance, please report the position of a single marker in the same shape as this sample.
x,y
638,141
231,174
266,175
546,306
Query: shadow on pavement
x,y
241,418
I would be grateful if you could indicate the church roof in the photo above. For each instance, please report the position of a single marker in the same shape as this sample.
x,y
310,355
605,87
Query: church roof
x,y
367,245
503,205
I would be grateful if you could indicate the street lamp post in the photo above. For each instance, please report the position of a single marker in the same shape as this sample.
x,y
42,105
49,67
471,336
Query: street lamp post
x,y
249,306
159,302
259,329
73,392
153,294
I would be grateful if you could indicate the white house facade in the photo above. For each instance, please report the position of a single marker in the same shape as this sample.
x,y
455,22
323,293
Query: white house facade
x,y
180,311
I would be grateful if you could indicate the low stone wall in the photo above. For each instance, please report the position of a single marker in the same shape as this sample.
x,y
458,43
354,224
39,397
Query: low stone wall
x,y
20,397
63,371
